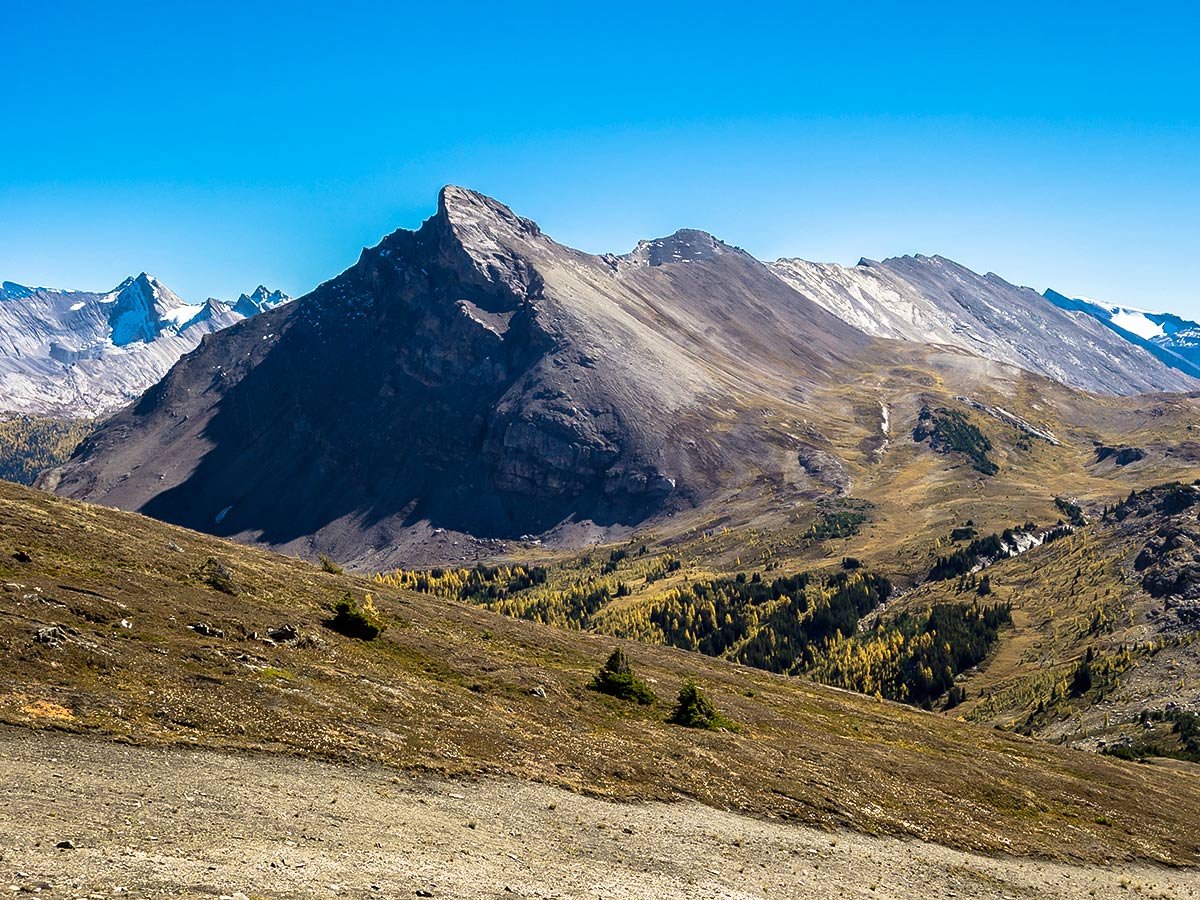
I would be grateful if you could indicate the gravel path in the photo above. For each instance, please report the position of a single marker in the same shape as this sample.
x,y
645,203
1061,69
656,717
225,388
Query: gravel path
x,y
167,823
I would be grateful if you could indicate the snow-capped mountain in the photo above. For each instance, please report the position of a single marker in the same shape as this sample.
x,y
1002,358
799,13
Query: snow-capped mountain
x,y
1173,339
934,300
84,353
261,300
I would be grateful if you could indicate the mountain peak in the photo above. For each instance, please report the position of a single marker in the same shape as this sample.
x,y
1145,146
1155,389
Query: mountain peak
x,y
469,230
687,245
469,211
143,307
1171,338
80,354
146,291
259,300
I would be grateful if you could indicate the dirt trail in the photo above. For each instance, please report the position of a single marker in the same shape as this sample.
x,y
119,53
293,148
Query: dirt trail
x,y
167,823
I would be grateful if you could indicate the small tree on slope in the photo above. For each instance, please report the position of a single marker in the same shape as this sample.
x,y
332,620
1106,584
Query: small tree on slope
x,y
694,710
617,679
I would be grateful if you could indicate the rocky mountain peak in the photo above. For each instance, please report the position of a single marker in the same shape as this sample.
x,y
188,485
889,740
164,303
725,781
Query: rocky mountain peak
x,y
259,300
476,376
142,307
478,221
87,353
688,245
145,291
1170,338
473,246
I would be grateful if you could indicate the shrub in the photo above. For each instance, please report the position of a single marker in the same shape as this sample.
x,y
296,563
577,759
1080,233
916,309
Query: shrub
x,y
614,559
1072,511
350,620
616,678
328,565
218,576
694,710
838,523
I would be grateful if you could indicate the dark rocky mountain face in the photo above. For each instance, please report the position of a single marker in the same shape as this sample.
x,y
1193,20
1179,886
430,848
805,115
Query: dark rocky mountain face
x,y
472,375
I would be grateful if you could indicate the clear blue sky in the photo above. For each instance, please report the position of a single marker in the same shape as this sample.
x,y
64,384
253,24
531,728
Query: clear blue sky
x,y
226,144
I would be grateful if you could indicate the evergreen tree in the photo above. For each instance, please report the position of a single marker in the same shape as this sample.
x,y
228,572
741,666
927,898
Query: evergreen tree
x,y
616,678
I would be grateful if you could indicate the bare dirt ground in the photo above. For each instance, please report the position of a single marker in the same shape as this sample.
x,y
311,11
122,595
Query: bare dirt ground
x,y
150,822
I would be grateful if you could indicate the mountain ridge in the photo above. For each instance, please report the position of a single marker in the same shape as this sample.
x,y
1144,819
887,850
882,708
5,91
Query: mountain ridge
x,y
81,354
473,379
505,342
931,299
1169,337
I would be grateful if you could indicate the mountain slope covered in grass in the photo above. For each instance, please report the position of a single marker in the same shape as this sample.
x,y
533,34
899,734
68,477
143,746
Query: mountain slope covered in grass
x,y
116,625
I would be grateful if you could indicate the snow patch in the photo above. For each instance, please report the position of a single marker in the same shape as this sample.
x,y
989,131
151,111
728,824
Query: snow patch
x,y
181,315
1135,322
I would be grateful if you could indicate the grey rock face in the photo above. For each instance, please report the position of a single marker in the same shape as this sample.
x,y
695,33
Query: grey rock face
x,y
1169,561
933,300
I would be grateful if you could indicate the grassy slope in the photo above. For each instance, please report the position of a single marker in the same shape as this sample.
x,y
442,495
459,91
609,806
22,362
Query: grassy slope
x,y
447,689
1059,593
916,497
918,494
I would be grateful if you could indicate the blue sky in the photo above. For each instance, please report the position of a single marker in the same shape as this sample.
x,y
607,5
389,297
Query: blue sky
x,y
226,144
